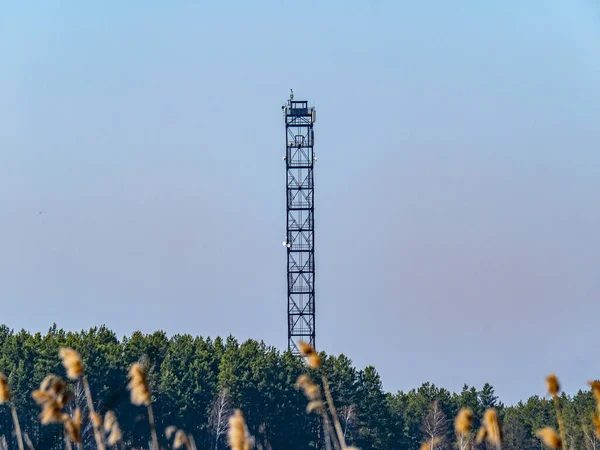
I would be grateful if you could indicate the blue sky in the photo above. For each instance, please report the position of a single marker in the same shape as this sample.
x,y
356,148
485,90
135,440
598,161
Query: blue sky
x,y
141,182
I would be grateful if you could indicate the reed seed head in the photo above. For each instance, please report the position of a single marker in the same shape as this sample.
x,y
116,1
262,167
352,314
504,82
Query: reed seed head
x,y
52,396
463,421
302,381
310,389
549,437
595,385
314,406
109,420
237,431
41,397
492,426
72,362
553,385
237,434
138,385
51,413
181,439
53,385
430,445
312,392
48,382
4,389
312,357
115,435
111,427
170,431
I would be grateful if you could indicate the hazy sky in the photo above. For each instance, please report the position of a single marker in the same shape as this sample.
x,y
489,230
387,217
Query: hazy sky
x,y
457,188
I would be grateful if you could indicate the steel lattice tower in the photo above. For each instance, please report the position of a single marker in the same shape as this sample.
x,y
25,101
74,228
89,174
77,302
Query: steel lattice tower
x,y
300,238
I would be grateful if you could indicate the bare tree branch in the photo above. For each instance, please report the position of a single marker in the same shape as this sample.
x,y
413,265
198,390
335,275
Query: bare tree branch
x,y
348,418
591,442
219,415
435,427
465,442
79,401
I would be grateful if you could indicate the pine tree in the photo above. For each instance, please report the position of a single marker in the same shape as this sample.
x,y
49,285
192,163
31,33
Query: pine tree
x,y
487,399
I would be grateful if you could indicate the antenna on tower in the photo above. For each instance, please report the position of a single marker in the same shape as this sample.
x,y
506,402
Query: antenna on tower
x,y
291,94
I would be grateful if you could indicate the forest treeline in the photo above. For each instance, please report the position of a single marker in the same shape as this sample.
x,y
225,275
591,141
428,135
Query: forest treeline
x,y
197,382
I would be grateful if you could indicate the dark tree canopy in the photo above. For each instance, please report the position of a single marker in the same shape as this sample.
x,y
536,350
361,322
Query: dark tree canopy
x,y
188,375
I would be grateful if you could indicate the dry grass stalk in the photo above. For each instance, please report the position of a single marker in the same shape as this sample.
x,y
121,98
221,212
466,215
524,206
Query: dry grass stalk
x,y
238,436
140,395
71,360
549,437
313,360
554,389
313,394
93,415
5,397
28,441
333,411
67,441
96,419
